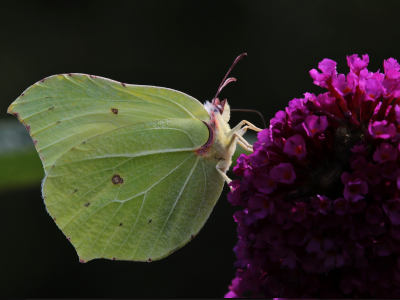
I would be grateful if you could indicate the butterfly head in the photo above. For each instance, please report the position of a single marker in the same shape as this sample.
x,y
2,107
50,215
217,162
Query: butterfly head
x,y
218,109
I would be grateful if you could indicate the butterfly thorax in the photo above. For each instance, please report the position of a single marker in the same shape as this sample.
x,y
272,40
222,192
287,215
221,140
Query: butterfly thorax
x,y
220,147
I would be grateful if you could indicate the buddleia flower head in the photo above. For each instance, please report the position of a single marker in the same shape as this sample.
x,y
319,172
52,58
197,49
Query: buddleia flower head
x,y
320,192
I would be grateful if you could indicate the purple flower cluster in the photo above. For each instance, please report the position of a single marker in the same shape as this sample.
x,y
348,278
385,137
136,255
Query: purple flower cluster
x,y
320,193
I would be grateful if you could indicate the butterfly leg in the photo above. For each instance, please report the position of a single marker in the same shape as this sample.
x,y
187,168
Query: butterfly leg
x,y
238,131
236,136
251,126
238,127
227,179
242,142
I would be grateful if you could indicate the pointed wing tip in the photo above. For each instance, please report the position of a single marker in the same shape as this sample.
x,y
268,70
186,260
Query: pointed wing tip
x,y
9,111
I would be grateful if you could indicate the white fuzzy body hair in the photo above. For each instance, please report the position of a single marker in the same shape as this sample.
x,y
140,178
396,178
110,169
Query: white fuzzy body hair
x,y
223,147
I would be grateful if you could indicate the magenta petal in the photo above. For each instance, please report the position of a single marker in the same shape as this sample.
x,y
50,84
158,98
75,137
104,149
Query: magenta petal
x,y
321,204
280,117
391,68
264,137
231,294
327,66
260,157
261,206
283,173
356,64
264,184
319,79
314,74
340,206
315,125
326,101
381,130
295,146
355,186
373,88
242,164
397,112
385,152
299,212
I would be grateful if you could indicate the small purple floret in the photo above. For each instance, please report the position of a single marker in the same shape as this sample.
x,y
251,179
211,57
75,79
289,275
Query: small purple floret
x,y
295,146
354,186
385,152
382,130
315,125
283,173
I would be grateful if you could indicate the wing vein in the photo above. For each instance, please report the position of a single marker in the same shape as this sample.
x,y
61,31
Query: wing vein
x,y
204,196
141,238
173,208
140,153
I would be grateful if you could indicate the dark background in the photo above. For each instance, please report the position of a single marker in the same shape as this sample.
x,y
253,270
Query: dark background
x,y
187,46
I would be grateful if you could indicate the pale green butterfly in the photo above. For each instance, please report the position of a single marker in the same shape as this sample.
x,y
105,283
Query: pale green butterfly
x,y
131,172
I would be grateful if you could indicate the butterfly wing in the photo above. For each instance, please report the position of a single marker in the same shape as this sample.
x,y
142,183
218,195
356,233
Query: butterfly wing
x,y
62,111
123,179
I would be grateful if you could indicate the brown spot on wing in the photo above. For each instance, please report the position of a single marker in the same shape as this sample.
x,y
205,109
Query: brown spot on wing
x,y
116,179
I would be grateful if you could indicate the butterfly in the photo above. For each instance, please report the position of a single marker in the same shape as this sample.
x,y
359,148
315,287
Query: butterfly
x,y
132,172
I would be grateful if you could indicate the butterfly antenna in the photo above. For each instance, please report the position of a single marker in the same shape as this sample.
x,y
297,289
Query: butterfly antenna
x,y
226,81
251,110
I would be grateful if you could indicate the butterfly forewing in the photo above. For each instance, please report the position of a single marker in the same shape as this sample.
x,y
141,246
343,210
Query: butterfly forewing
x,y
62,111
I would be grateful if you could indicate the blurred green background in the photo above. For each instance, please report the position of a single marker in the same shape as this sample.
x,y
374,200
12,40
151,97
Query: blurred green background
x,y
183,45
